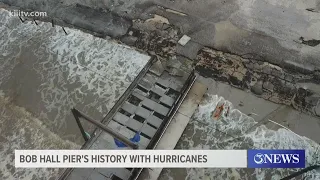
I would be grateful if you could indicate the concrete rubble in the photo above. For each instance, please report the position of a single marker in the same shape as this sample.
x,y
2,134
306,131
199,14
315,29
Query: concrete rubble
x,y
184,40
268,81
252,60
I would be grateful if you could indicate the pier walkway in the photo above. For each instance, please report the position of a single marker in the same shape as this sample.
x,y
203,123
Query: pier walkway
x,y
146,110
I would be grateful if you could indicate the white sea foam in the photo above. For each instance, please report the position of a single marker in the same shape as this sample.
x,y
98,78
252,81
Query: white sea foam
x,y
20,130
235,132
44,73
77,69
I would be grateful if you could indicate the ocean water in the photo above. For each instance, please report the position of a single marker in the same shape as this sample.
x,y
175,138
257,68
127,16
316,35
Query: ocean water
x,y
43,74
238,131
21,130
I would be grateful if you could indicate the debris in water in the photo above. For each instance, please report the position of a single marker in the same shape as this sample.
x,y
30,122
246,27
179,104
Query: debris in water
x,y
176,12
312,10
312,42
252,114
216,114
227,112
158,19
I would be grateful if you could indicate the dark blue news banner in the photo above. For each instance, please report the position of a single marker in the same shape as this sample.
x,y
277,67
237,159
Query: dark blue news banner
x,y
276,158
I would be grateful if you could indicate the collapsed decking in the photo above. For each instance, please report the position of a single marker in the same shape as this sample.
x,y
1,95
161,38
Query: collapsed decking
x,y
147,107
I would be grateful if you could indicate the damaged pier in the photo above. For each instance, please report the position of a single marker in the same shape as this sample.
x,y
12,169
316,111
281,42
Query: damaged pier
x,y
147,108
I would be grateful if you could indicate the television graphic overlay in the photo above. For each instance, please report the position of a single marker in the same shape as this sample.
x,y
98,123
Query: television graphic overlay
x,y
276,158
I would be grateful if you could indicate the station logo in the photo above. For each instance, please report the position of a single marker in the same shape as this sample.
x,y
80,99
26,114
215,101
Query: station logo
x,y
27,14
276,158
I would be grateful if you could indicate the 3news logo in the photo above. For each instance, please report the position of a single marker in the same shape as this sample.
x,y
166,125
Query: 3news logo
x,y
276,158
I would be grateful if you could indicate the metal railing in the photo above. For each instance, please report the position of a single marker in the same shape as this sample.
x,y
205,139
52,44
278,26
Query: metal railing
x,y
155,140
101,125
78,114
298,173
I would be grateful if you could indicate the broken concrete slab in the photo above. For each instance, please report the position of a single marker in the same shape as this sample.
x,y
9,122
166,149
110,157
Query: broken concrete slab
x,y
161,109
173,63
158,19
134,124
175,72
268,86
167,100
121,129
130,108
149,103
257,88
139,94
155,121
146,84
158,90
121,118
189,50
143,112
157,68
184,40
148,130
314,87
129,40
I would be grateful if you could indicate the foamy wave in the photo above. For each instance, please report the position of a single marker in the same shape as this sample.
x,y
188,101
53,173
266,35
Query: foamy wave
x,y
235,132
74,70
20,130
53,72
